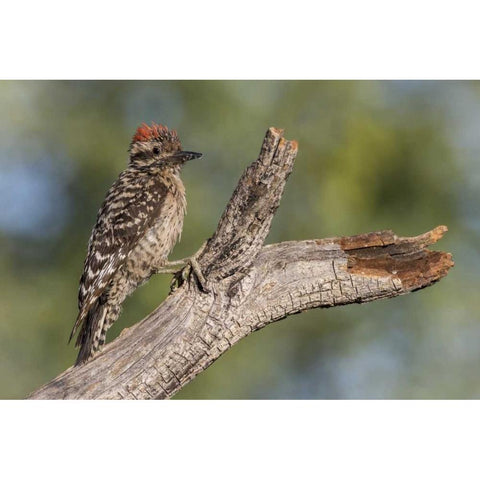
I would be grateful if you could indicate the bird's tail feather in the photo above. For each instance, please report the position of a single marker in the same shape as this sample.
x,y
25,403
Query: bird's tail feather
x,y
89,337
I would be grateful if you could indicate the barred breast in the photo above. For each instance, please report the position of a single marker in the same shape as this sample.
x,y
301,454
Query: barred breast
x,y
153,249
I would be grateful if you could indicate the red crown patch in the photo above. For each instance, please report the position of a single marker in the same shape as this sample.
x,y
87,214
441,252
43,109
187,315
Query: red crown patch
x,y
145,133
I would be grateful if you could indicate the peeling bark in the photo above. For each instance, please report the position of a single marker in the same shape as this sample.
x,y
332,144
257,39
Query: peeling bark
x,y
252,285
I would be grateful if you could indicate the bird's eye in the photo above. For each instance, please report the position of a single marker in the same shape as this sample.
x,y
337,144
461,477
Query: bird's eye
x,y
156,150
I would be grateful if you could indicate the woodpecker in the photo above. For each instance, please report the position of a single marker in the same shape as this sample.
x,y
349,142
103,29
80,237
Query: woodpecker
x,y
137,226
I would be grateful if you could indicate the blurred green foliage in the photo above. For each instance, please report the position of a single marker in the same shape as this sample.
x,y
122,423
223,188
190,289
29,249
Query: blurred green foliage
x,y
373,155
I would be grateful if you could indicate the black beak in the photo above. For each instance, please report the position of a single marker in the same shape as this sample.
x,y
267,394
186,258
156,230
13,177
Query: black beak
x,y
185,156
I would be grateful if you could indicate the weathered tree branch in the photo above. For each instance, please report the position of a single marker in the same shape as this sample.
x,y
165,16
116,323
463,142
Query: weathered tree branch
x,y
253,285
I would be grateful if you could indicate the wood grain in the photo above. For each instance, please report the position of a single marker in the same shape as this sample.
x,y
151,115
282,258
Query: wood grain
x,y
252,285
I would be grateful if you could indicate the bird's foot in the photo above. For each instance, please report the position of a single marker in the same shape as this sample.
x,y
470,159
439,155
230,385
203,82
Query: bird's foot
x,y
190,267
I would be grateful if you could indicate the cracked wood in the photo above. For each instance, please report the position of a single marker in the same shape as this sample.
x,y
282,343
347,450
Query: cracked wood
x,y
253,285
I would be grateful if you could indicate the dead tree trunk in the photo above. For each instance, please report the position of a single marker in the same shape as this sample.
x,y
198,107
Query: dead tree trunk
x,y
252,285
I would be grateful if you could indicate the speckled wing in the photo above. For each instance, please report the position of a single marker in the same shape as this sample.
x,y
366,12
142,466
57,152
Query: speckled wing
x,y
131,206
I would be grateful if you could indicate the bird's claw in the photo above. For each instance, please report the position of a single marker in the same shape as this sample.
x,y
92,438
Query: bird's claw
x,y
183,275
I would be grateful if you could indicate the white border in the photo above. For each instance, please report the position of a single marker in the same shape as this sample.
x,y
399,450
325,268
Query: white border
x,y
245,40
235,439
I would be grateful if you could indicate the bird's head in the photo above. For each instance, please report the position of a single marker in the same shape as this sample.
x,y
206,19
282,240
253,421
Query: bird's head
x,y
160,147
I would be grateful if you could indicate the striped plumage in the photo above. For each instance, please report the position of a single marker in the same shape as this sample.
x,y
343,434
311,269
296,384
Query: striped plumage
x,y
137,226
